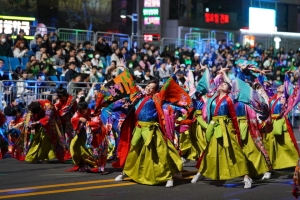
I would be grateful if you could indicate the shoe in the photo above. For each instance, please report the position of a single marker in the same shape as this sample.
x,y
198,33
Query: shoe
x,y
184,161
169,183
120,177
197,178
73,169
248,183
177,175
267,176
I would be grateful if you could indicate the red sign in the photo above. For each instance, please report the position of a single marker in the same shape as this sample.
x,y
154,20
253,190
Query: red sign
x,y
217,18
148,38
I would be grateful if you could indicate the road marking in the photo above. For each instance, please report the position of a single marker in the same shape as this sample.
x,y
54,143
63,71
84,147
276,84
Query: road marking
x,y
66,190
59,185
30,193
70,184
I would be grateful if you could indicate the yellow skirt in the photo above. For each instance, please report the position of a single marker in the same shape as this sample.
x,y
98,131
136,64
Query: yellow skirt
x,y
255,159
280,146
192,141
41,148
80,153
151,159
223,158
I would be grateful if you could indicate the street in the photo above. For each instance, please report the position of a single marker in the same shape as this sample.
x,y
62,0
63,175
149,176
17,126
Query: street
x,y
50,181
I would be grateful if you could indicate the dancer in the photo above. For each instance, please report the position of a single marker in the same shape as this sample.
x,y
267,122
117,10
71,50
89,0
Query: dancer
x,y
66,107
258,160
144,152
89,146
192,141
113,116
280,142
223,158
45,127
149,151
3,136
16,126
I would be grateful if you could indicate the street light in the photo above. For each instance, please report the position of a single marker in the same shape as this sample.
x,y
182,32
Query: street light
x,y
133,18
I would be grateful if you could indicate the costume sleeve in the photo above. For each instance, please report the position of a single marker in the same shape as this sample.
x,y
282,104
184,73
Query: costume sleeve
x,y
120,87
203,84
177,99
191,83
49,113
292,100
71,106
57,105
244,93
288,86
208,85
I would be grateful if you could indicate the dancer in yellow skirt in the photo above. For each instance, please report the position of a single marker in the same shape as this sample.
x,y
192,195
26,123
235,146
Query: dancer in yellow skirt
x,y
252,144
45,127
152,158
193,141
145,152
89,146
281,143
223,158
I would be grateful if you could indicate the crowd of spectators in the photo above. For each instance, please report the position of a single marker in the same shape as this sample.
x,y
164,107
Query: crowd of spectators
x,y
48,58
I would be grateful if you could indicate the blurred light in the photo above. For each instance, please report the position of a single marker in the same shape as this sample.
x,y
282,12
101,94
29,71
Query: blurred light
x,y
206,9
262,19
26,37
277,41
123,16
17,18
245,31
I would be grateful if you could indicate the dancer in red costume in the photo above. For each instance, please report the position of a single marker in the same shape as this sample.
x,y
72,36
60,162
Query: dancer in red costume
x,y
89,146
45,127
66,107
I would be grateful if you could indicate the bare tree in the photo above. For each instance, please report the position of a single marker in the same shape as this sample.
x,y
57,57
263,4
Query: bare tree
x,y
90,12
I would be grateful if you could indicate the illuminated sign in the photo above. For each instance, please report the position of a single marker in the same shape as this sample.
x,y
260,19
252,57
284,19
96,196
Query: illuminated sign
x,y
261,19
152,20
152,3
148,38
249,39
26,37
9,24
217,18
150,11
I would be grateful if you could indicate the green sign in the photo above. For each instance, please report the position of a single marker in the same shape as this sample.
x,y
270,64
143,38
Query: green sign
x,y
151,12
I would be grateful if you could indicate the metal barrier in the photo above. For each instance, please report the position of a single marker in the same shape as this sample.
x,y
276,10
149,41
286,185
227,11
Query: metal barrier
x,y
109,37
27,91
206,44
76,36
172,43
74,88
205,33
228,36
32,30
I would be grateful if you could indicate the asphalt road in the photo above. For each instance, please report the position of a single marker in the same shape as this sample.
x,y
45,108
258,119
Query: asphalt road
x,y
20,180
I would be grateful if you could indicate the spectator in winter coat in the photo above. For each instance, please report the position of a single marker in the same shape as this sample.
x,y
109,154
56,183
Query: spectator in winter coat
x,y
21,37
19,49
5,49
